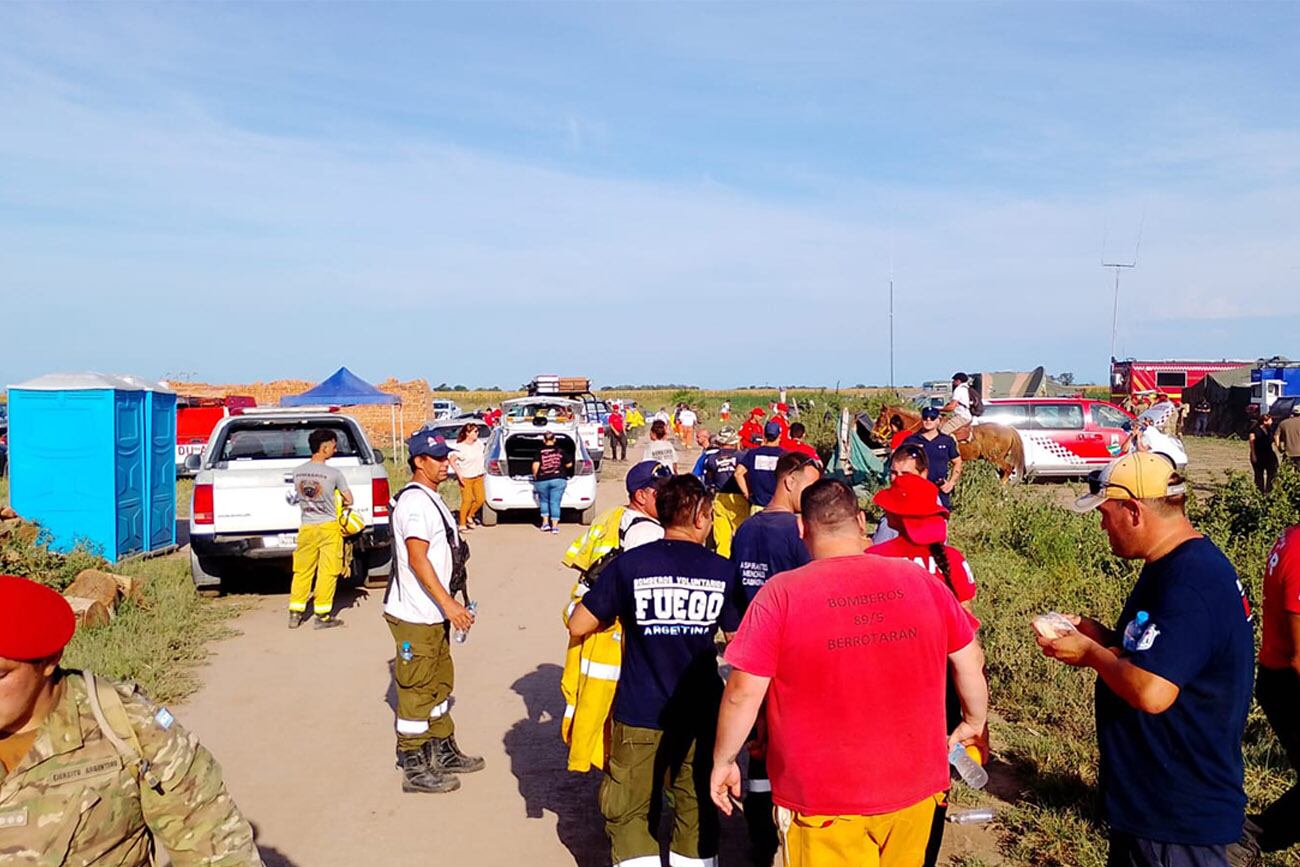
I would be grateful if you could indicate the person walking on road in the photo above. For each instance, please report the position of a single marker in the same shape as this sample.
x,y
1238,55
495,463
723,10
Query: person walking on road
x,y
551,472
730,508
660,448
318,555
686,421
825,644
467,461
1277,684
616,428
724,412
756,472
420,612
1263,459
766,545
91,770
671,597
1288,437
940,453
635,423
1174,677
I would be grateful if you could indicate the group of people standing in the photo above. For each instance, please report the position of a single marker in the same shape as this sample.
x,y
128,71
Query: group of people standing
x,y
1270,441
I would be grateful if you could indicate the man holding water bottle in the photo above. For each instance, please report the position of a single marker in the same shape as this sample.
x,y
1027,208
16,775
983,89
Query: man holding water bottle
x,y
1174,677
421,613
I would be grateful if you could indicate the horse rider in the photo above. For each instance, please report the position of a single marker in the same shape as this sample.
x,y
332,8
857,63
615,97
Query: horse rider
x,y
958,406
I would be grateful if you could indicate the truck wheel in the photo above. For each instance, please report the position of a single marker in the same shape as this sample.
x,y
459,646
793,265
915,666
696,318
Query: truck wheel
x,y
206,575
489,516
587,515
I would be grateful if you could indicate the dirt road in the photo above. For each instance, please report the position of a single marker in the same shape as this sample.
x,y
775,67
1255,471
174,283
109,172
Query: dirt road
x,y
302,723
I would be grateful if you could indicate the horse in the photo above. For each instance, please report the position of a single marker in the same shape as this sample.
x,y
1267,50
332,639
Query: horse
x,y
996,443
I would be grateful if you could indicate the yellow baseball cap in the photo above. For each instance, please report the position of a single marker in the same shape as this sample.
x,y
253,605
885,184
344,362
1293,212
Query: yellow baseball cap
x,y
1136,476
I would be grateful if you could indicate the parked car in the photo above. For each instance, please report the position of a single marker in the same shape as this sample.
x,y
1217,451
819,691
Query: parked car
x,y
585,414
450,429
444,408
243,506
1062,436
510,453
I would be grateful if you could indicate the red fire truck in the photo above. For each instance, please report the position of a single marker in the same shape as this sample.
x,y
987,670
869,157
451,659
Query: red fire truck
x,y
195,419
1135,383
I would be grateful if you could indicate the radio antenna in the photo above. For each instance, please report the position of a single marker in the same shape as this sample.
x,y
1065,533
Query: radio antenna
x,y
1119,266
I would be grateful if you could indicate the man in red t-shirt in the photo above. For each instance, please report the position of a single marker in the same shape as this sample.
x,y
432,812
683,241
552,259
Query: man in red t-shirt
x,y
795,441
826,644
617,430
1277,685
751,432
781,416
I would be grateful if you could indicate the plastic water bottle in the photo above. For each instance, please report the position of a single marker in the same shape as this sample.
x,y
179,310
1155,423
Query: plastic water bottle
x,y
972,774
972,817
406,653
1134,631
458,635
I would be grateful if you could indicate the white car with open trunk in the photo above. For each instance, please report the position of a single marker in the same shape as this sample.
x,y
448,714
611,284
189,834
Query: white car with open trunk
x,y
513,446
244,508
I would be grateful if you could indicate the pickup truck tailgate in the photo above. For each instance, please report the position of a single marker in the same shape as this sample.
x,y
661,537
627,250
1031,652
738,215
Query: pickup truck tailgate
x,y
257,496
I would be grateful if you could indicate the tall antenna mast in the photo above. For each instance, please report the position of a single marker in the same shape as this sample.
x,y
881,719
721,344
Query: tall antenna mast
x,y
1119,266
891,314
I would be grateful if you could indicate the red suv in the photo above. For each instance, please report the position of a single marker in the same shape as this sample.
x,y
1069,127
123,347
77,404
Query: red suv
x,y
1063,436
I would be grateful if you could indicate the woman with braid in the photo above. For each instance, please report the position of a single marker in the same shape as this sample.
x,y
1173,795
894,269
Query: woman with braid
x,y
913,509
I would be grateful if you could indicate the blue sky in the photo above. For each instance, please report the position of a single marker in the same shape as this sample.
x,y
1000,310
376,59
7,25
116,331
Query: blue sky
x,y
642,192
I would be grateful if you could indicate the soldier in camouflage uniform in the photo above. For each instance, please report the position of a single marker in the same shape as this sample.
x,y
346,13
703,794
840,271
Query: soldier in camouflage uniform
x,y
95,772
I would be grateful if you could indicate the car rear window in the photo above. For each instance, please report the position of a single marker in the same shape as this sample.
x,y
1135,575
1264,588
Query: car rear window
x,y
279,439
1057,416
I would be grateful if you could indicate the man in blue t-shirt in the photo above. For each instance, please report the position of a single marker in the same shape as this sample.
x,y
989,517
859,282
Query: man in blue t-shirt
x,y
1174,678
756,472
940,451
671,597
766,544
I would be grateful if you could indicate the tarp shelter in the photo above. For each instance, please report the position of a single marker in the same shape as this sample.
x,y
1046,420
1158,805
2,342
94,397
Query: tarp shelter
x,y
1011,383
345,388
1228,392
854,460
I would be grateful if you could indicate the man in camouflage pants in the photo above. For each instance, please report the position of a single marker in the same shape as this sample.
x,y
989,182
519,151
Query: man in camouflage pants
x,y
94,772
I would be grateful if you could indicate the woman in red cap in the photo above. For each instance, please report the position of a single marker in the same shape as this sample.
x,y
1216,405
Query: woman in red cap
x,y
912,507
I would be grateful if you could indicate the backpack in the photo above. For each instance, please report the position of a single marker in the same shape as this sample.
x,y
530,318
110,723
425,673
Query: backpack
x,y
459,582
976,402
592,572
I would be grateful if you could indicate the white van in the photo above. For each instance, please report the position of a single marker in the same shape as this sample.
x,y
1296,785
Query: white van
x,y
511,450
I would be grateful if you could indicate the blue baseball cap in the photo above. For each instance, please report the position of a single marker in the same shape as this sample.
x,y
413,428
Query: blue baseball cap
x,y
427,444
772,430
930,412
647,474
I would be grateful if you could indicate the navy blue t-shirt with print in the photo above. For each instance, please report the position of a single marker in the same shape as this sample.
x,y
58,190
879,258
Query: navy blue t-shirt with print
x,y
939,452
1176,777
760,473
671,597
765,544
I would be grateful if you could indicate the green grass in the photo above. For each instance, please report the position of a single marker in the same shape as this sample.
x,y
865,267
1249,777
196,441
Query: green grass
x,y
1030,556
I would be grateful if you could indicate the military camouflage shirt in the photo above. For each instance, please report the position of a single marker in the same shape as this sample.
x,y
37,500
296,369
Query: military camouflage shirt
x,y
73,800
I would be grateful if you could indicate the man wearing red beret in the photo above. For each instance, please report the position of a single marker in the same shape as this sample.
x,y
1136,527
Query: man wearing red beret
x,y
93,771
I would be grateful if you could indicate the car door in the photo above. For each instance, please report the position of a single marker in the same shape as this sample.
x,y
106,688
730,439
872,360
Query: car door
x,y
1064,425
1110,423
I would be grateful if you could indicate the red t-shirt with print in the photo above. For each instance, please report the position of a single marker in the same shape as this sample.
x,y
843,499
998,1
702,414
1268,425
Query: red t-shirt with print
x,y
857,649
962,580
1281,599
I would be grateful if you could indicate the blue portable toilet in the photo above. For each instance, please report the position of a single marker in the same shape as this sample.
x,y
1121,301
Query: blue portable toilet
x,y
86,464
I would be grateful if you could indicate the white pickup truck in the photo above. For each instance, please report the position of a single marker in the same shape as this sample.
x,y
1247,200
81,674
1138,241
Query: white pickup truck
x,y
243,506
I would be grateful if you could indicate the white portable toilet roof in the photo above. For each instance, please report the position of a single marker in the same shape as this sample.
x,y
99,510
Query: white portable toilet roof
x,y
88,381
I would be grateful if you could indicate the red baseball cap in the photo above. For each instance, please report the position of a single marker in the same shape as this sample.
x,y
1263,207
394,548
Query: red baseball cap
x,y
915,500
35,621
780,407
758,410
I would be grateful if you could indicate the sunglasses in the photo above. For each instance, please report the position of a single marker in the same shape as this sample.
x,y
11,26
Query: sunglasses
x,y
1096,485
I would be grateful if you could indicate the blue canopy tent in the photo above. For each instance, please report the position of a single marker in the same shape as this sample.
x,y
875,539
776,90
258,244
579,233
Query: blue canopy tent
x,y
345,388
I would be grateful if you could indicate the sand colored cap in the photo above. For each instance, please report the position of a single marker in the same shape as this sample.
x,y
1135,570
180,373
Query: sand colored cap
x,y
35,621
1136,476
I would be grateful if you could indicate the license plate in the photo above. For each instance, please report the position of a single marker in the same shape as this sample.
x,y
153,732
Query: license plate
x,y
283,540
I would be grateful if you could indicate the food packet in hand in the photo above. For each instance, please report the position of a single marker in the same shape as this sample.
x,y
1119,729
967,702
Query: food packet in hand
x,y
1053,625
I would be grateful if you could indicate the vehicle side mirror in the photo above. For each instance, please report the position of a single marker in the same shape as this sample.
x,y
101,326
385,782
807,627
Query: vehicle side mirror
x,y
193,462
379,456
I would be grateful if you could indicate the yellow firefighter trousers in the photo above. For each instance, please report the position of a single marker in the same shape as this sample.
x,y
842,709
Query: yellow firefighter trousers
x,y
319,555
729,510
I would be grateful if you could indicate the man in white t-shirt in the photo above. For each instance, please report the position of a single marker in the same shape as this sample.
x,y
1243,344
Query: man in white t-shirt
x,y
420,612
958,405
659,447
686,420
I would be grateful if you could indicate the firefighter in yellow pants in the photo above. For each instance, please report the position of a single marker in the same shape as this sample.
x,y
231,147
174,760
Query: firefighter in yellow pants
x,y
729,511
887,840
319,556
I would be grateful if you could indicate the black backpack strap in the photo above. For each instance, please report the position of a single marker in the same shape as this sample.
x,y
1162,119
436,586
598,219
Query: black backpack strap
x,y
451,537
622,531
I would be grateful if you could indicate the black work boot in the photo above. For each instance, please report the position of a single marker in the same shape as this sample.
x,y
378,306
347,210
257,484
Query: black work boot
x,y
417,776
444,755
